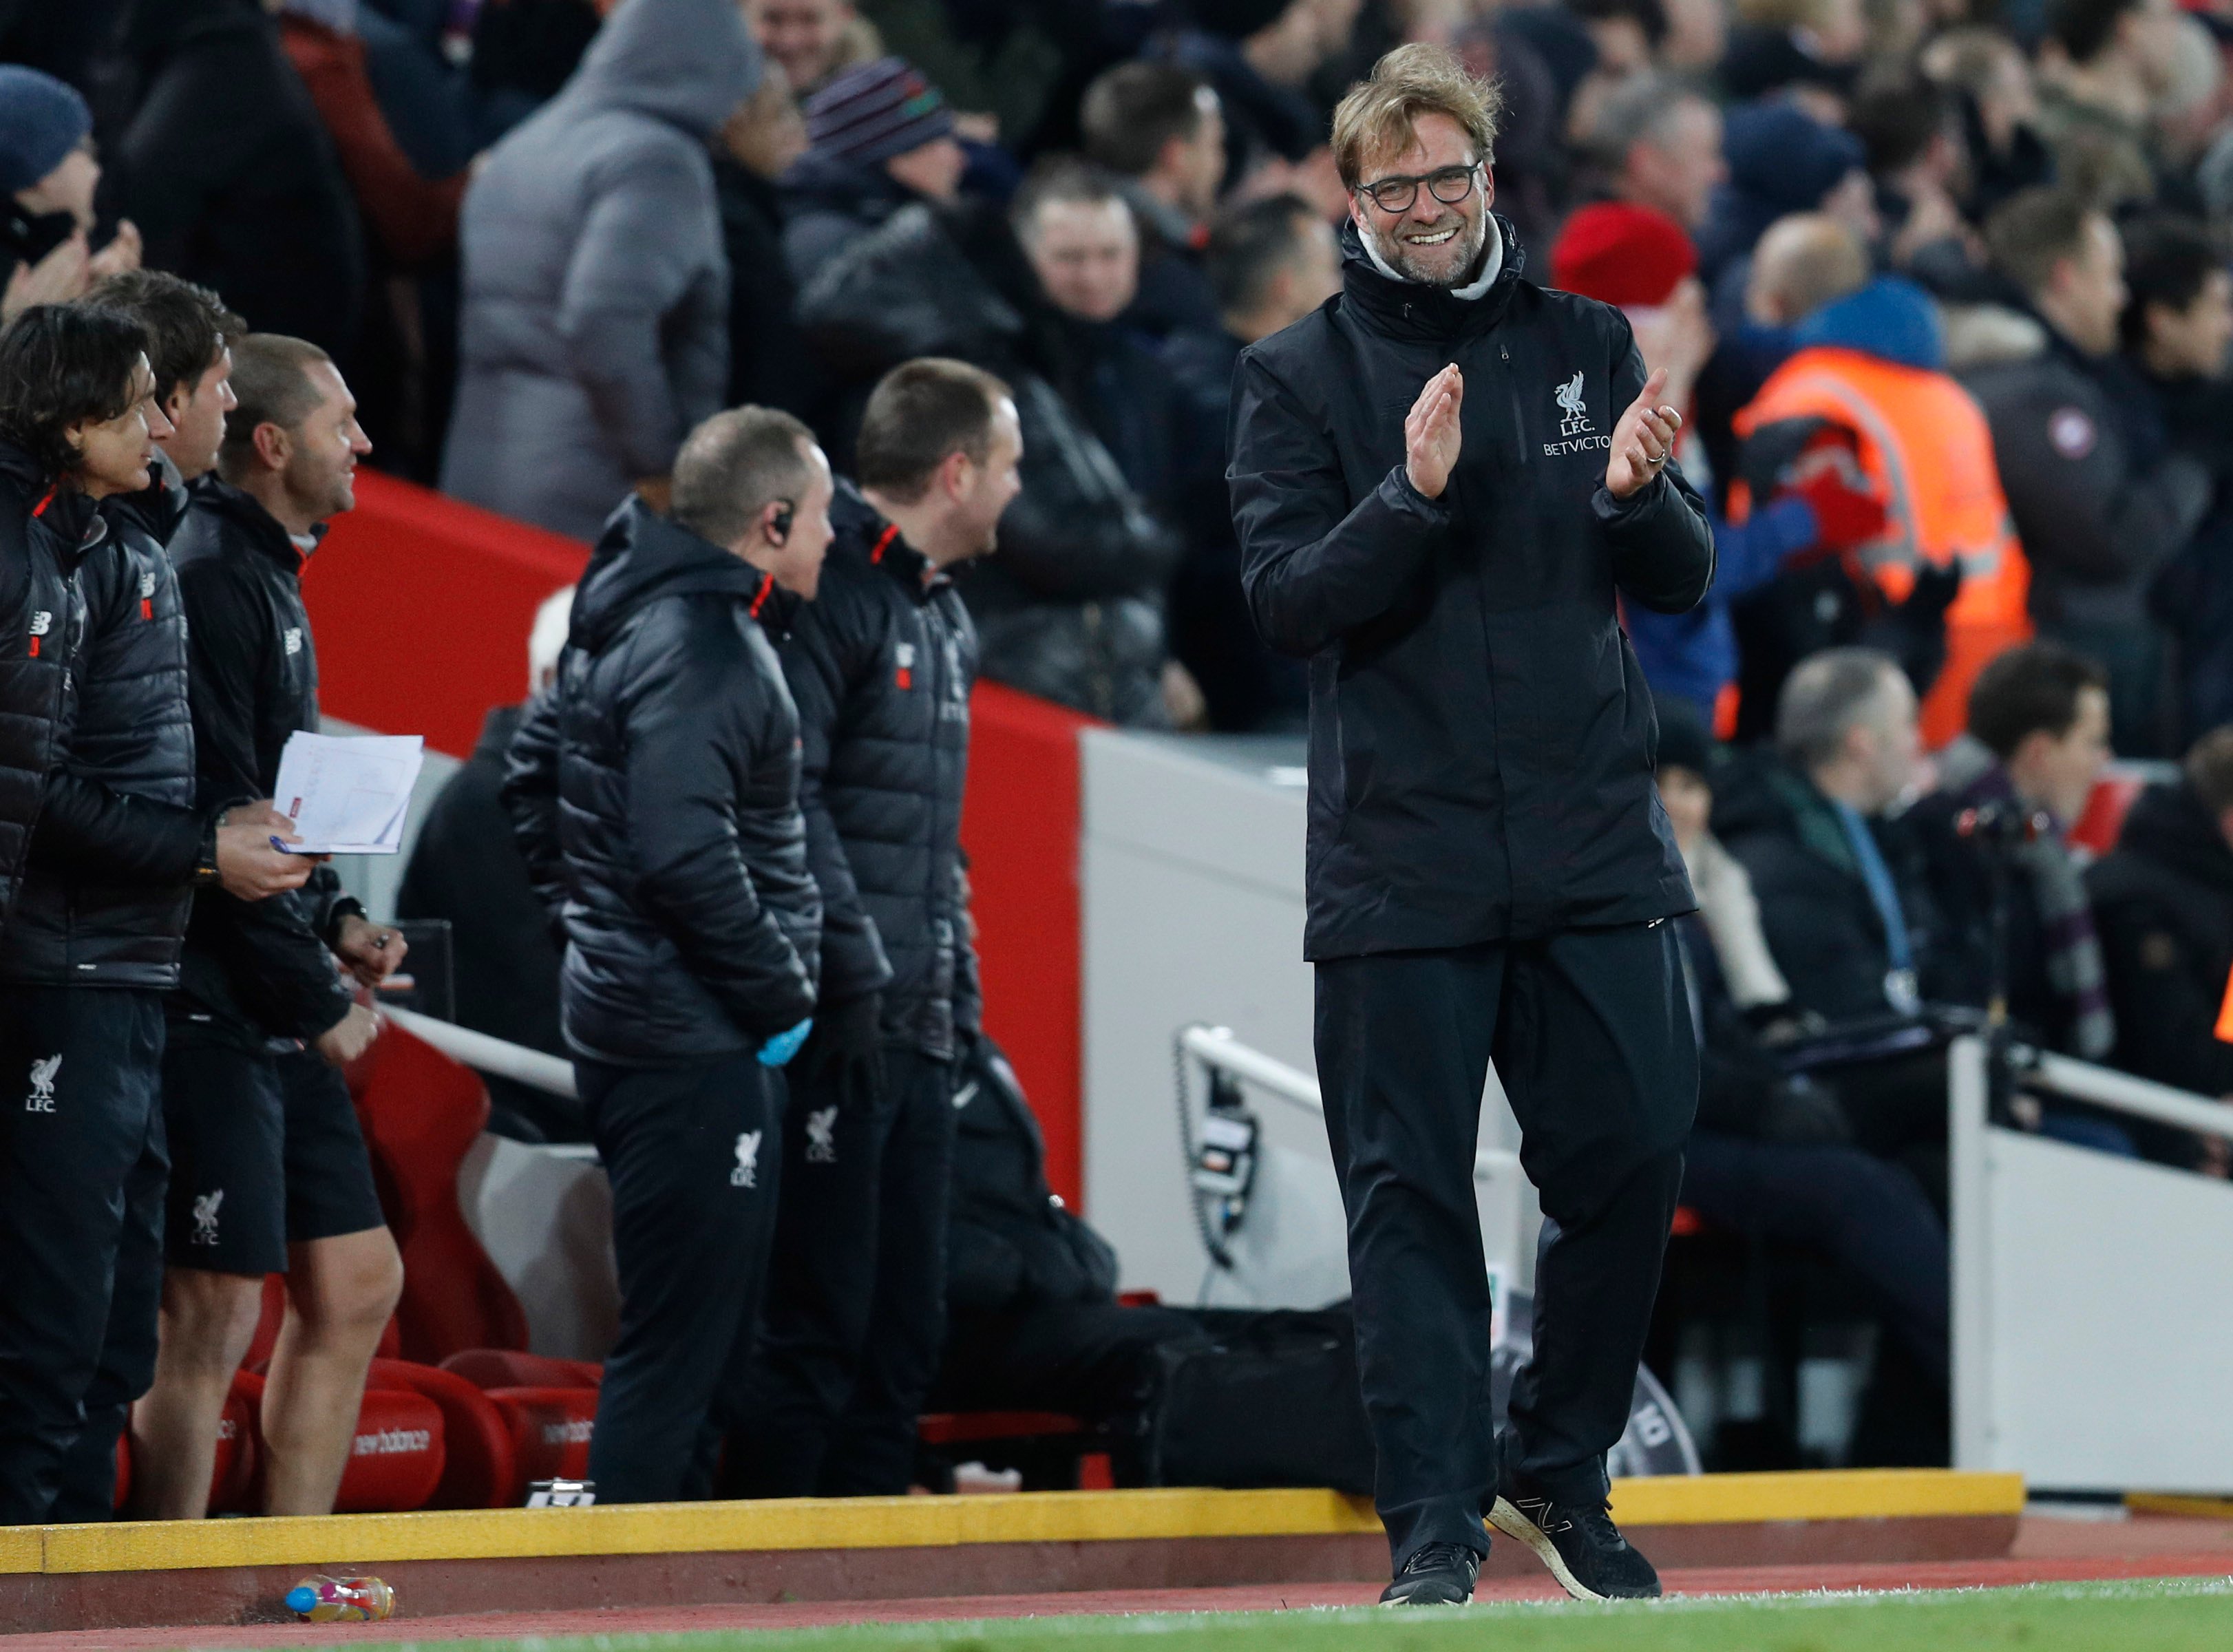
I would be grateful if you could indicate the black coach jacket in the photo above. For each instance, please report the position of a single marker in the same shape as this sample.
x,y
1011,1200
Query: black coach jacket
x,y
120,840
44,536
880,664
654,792
252,970
1482,737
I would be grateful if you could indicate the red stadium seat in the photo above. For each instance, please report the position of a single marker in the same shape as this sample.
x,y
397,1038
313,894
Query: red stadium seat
x,y
551,1430
393,1468
505,1368
421,1114
965,1428
237,1487
397,1459
239,1446
480,1467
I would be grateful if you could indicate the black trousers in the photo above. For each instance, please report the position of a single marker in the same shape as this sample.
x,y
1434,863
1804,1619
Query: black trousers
x,y
1870,1217
692,1154
1591,1033
856,1318
83,1176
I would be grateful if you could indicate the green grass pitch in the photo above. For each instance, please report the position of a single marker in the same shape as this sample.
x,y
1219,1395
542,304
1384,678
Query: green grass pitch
x,y
2141,1617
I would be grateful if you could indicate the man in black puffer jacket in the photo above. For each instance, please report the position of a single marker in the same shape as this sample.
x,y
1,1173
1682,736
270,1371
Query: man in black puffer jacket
x,y
654,792
93,935
881,667
1488,869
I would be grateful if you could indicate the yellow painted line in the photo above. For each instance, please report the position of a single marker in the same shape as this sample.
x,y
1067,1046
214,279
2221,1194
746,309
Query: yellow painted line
x,y
1855,1495
693,1528
2207,1508
22,1548
927,1522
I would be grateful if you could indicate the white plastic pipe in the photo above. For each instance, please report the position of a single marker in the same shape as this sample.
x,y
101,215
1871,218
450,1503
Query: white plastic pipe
x,y
497,1057
1217,1047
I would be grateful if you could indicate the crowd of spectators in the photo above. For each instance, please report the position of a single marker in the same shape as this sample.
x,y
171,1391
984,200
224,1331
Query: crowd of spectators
x,y
1941,285
1939,282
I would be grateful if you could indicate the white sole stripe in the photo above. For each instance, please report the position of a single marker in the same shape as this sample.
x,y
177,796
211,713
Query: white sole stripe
x,y
1517,1526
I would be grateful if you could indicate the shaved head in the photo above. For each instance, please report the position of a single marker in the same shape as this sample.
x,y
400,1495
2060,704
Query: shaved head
x,y
1803,262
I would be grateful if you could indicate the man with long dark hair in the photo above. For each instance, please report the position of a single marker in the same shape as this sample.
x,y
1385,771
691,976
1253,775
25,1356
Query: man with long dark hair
x,y
93,938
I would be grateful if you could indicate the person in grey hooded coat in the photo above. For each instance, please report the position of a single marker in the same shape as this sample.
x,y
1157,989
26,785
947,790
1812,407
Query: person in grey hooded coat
x,y
594,332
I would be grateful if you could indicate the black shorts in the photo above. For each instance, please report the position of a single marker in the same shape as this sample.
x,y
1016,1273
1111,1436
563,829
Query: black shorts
x,y
265,1152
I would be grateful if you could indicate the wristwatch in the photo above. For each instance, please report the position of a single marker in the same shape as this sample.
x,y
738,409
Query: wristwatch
x,y
206,872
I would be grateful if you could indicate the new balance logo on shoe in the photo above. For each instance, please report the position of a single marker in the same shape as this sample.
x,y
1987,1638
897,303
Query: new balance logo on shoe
x,y
41,1098
821,1135
205,1217
746,1174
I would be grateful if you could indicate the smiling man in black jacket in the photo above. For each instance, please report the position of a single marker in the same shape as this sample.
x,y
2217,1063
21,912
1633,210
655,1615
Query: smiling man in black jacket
x,y
1488,869
269,1174
654,792
881,667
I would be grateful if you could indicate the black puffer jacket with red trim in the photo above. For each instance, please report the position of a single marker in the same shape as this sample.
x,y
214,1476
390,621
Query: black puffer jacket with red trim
x,y
654,790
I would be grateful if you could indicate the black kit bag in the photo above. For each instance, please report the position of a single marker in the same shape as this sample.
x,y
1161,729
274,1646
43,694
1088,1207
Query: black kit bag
x,y
1267,1398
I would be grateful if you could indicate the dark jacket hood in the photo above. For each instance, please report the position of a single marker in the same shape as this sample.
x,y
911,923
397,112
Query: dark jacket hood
x,y
1891,318
2171,826
72,518
862,533
689,62
246,512
643,557
1413,309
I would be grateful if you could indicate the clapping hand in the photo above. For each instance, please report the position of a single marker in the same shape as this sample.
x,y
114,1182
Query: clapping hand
x,y
1642,439
1431,433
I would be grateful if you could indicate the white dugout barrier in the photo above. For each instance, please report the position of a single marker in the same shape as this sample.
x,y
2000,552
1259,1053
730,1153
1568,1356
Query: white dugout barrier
x,y
2092,1325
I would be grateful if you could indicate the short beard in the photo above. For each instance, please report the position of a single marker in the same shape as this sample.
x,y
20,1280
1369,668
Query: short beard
x,y
1404,263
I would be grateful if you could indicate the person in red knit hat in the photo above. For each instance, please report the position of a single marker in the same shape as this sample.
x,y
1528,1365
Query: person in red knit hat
x,y
1641,260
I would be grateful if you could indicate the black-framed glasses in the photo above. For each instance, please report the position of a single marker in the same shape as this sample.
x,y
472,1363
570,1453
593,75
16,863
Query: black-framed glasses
x,y
1448,185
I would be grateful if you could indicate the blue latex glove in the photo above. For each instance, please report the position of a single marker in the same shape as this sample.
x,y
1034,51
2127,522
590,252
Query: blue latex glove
x,y
781,1048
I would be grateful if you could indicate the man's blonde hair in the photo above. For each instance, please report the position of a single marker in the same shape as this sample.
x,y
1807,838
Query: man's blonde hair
x,y
1380,115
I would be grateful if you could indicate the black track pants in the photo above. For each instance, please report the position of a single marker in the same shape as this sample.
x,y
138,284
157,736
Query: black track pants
x,y
1591,1033
694,1157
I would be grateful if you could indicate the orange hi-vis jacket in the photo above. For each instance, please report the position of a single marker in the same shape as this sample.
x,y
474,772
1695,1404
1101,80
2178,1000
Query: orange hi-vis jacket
x,y
1923,442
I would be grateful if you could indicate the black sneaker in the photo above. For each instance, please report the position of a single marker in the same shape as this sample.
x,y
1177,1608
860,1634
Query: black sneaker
x,y
1579,1542
1441,1574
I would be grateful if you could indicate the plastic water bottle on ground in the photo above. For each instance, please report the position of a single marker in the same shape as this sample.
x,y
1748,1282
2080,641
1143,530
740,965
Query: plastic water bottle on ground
x,y
341,1600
